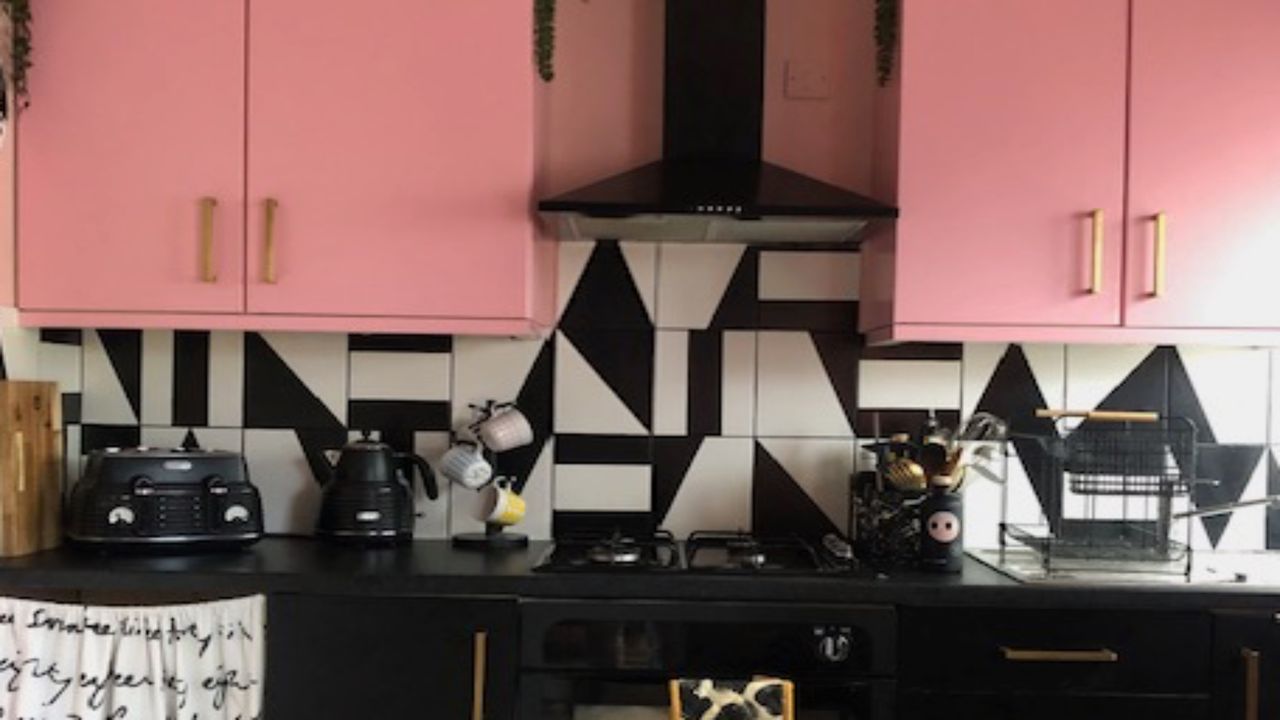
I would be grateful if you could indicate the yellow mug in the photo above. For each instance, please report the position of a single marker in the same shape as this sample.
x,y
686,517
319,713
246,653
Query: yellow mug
x,y
502,505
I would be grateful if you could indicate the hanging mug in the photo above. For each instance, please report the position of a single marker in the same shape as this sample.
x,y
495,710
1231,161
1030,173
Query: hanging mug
x,y
506,429
465,465
501,505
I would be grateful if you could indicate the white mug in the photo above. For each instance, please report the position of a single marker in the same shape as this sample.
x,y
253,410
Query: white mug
x,y
500,504
506,429
464,464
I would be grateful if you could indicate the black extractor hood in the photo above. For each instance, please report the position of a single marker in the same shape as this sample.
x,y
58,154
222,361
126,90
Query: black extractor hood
x,y
711,183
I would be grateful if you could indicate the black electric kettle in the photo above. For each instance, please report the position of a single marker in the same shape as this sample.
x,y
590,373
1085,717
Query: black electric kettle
x,y
368,496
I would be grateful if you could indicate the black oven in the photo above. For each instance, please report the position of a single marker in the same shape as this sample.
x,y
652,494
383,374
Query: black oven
x,y
613,660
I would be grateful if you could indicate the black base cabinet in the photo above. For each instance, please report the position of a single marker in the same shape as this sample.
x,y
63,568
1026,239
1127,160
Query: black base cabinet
x,y
340,658
982,706
1246,653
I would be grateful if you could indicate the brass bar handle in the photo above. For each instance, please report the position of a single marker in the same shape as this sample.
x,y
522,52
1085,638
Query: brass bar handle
x,y
1101,415
1252,684
1102,655
1161,254
207,272
479,675
1099,247
269,207
20,459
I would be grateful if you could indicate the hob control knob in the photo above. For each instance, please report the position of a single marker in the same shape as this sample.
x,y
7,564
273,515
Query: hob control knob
x,y
121,515
835,646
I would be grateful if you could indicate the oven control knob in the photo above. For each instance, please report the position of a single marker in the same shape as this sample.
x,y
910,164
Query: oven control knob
x,y
835,646
120,515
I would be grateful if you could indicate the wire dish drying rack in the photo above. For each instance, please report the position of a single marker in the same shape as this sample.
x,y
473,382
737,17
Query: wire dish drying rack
x,y
1116,481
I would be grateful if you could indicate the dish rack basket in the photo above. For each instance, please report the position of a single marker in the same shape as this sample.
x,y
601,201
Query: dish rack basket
x,y
1114,482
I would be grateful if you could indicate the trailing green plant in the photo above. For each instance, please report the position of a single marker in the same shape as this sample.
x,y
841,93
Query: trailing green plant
x,y
886,39
544,38
19,14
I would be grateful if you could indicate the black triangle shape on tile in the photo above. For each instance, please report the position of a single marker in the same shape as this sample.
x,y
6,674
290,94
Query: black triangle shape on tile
x,y
780,507
739,307
1273,514
840,355
316,442
624,360
1183,400
275,397
606,295
190,441
1145,387
1014,395
535,400
1230,467
672,458
124,350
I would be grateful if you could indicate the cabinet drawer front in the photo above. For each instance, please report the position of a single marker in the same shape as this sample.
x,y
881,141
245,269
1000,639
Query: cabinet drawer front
x,y
1070,651
926,706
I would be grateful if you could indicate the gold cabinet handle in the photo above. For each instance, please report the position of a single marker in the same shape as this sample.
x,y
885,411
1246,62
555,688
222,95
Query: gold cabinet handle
x,y
1102,655
1252,684
269,207
1099,241
20,459
479,675
1160,254
207,272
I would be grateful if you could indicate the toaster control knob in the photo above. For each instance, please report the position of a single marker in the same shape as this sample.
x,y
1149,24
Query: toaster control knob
x,y
236,514
217,486
143,486
120,515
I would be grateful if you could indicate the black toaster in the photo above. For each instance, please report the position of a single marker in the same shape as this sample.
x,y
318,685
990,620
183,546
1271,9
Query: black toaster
x,y
146,498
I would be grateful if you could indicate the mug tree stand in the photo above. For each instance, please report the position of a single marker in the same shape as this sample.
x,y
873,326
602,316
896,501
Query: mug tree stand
x,y
494,537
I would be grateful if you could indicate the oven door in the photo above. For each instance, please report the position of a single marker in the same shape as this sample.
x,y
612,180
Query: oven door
x,y
584,697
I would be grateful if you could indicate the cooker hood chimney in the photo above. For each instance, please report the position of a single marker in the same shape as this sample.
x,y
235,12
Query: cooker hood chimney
x,y
711,183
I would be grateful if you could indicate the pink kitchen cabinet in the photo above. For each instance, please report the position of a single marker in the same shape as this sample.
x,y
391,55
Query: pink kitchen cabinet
x,y
374,170
1204,154
1012,122
137,114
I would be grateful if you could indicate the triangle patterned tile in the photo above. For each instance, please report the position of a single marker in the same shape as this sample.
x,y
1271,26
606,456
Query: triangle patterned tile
x,y
692,283
105,399
276,397
600,372
715,493
792,494
606,296
796,397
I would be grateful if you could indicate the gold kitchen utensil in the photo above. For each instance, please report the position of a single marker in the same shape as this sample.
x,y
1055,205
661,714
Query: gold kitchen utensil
x,y
907,475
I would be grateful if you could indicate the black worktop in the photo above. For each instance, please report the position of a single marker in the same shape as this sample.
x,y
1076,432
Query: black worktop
x,y
297,565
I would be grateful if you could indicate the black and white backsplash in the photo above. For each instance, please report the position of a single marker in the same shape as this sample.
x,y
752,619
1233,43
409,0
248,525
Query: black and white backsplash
x,y
698,386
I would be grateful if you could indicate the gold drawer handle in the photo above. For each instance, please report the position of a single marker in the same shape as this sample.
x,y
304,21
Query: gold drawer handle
x,y
479,675
1161,254
207,272
1099,239
269,207
1252,683
1102,655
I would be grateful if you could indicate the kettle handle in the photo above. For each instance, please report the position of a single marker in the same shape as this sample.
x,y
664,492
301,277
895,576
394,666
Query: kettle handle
x,y
424,469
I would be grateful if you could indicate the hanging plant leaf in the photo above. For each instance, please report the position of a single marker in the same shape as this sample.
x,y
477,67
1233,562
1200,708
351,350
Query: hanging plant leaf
x,y
886,39
544,38
19,61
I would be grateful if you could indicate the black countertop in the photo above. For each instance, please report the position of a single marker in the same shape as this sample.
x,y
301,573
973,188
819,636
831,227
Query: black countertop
x,y
436,568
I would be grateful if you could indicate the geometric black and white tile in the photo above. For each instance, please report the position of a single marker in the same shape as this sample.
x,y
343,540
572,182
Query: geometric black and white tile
x,y
691,386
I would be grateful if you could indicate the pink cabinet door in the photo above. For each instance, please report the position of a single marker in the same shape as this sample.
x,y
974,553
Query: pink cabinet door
x,y
1012,133
397,140
137,113
1205,152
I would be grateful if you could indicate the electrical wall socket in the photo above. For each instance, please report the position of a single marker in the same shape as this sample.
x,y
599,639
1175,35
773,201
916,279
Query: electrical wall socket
x,y
807,81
